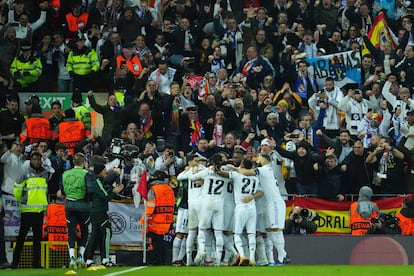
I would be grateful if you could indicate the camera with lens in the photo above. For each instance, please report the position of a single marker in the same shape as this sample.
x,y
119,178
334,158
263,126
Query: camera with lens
x,y
307,215
122,150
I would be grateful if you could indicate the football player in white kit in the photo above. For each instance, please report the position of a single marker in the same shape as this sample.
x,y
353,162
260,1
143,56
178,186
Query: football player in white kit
x,y
187,220
246,190
212,208
275,205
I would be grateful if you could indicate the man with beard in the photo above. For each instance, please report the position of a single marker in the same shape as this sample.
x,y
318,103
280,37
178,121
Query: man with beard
x,y
355,107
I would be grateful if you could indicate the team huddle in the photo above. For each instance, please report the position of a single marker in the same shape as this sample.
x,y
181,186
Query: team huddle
x,y
238,210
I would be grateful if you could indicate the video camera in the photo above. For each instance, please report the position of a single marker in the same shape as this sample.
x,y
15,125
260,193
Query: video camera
x,y
122,150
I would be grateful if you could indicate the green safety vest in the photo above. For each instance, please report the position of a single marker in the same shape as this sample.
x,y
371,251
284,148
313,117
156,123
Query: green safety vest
x,y
33,66
82,64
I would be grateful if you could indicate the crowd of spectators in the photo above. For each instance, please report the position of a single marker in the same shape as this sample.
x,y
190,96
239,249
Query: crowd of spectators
x,y
220,76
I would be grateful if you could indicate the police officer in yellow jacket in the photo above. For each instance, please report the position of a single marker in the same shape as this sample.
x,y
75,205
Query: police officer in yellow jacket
x,y
82,63
31,194
26,69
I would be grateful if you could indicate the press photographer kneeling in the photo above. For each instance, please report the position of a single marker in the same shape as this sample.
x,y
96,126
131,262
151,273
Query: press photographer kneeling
x,y
301,222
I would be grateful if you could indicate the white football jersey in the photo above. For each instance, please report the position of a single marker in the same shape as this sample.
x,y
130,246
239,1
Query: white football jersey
x,y
243,186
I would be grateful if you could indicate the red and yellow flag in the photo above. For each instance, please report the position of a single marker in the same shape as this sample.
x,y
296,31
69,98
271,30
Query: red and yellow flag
x,y
380,33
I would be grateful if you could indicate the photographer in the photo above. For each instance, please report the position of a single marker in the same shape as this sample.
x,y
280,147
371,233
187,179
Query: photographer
x,y
169,162
385,224
300,222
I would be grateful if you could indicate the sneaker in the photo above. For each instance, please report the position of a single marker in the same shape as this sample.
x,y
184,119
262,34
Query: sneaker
x,y
90,264
277,263
200,258
235,260
110,264
252,263
72,263
80,262
244,261
178,263
209,262
286,260
262,263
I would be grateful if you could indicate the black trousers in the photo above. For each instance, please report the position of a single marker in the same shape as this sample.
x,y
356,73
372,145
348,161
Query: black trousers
x,y
27,221
2,242
74,218
100,235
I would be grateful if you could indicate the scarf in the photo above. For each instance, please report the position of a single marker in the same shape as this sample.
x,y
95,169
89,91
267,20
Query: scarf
x,y
146,124
175,114
218,134
197,132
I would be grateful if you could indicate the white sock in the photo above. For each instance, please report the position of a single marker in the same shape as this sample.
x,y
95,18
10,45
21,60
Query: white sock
x,y
72,252
260,249
269,249
252,246
279,242
105,260
209,245
181,254
229,244
190,245
239,244
280,246
201,240
219,244
81,251
245,243
176,248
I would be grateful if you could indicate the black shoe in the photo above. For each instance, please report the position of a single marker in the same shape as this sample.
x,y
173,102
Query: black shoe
x,y
286,260
5,265
110,264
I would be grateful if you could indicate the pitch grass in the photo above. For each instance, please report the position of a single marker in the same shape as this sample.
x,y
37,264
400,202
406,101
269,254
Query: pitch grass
x,y
294,270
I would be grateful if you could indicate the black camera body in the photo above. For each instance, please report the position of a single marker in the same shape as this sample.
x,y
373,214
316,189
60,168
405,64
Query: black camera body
x,y
122,150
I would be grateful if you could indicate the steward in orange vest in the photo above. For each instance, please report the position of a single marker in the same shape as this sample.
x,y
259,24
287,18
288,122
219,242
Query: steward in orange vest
x,y
76,21
160,204
71,131
129,71
160,214
362,212
406,217
37,128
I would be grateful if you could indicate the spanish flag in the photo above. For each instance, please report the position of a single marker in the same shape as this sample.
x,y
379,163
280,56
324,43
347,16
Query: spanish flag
x,y
380,33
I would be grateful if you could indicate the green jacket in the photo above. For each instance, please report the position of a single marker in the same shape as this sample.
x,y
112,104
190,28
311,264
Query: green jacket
x,y
31,192
74,187
83,63
97,195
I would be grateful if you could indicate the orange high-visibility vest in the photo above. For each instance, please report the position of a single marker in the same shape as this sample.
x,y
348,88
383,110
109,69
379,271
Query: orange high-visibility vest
x,y
71,133
36,129
161,209
76,23
360,225
54,226
406,224
134,64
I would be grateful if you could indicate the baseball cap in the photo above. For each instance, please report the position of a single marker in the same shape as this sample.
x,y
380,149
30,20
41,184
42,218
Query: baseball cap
x,y
34,99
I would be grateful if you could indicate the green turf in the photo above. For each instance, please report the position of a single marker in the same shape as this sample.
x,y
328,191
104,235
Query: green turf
x,y
305,270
